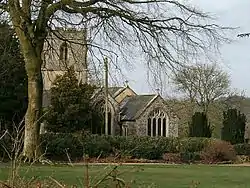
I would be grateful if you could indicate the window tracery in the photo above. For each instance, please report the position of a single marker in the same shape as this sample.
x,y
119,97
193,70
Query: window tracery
x,y
157,124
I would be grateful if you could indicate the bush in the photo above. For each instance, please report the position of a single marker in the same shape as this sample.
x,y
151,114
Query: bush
x,y
57,146
193,144
5,145
172,158
77,145
188,157
152,148
242,149
147,147
199,126
218,151
70,108
60,146
233,129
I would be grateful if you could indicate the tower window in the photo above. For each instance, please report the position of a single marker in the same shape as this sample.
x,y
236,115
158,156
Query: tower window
x,y
63,56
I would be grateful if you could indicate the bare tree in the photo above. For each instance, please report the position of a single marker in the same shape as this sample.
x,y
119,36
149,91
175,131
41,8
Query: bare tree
x,y
165,32
202,83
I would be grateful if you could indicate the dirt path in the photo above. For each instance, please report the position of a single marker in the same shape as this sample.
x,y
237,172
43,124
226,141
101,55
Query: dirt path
x,y
158,164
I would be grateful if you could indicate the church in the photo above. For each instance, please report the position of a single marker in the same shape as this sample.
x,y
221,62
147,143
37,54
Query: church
x,y
133,114
129,113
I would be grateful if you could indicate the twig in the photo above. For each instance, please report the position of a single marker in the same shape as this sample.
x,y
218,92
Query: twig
x,y
105,177
60,185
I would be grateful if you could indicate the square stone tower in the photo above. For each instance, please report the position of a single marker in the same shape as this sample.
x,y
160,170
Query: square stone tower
x,y
64,48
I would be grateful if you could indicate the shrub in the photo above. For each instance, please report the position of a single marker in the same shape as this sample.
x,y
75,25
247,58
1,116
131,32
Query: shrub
x,y
188,157
233,129
193,144
57,146
242,149
152,148
70,109
95,145
5,145
218,151
143,147
199,126
172,158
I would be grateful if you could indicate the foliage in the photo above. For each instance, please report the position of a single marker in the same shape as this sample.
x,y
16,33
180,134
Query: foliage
x,y
61,147
57,146
218,151
233,129
193,144
154,31
202,83
199,127
242,149
189,157
13,80
101,146
172,158
70,108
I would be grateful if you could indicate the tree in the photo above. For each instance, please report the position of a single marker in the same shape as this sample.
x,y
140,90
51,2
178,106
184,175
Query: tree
x,y
202,83
164,31
13,80
70,109
199,127
233,129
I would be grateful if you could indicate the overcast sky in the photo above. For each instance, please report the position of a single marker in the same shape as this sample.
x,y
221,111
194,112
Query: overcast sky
x,y
235,56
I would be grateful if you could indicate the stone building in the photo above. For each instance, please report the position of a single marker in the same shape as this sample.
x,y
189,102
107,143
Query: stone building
x,y
63,49
129,113
133,114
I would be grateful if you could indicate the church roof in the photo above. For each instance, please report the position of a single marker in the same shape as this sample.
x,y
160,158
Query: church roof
x,y
114,90
131,105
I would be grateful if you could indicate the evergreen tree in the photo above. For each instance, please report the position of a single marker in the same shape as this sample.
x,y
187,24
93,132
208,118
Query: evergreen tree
x,y
199,126
13,80
233,129
70,109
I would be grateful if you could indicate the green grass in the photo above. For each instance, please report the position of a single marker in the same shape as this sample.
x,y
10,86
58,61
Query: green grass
x,y
172,176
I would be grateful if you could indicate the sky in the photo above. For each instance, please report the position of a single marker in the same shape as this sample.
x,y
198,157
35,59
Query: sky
x,y
235,57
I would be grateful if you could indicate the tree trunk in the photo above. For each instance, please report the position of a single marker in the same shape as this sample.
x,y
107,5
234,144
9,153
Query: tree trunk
x,y
31,150
31,37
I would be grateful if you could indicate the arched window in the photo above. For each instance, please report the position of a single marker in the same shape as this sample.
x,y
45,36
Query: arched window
x,y
100,128
157,123
63,54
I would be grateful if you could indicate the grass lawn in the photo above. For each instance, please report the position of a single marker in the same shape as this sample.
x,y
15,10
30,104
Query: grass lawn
x,y
172,176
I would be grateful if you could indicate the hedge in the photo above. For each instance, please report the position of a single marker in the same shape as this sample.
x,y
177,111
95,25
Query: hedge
x,y
62,146
57,145
242,149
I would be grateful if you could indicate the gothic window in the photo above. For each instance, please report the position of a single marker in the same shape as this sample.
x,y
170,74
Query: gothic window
x,y
154,127
125,131
149,126
157,123
100,129
164,127
159,127
63,54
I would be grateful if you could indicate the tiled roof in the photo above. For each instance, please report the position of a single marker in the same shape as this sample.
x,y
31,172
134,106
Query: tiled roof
x,y
131,105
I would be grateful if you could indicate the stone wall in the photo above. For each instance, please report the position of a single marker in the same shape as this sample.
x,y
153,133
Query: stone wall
x,y
141,122
76,55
